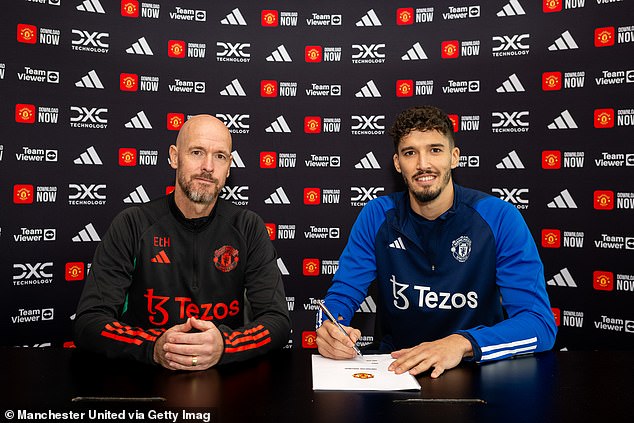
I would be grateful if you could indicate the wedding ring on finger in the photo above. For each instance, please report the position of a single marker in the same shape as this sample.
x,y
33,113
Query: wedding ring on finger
x,y
194,361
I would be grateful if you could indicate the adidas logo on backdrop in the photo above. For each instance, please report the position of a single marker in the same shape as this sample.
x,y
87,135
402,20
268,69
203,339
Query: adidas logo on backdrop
x,y
279,125
563,121
234,18
368,162
92,6
563,278
511,161
369,90
234,89
89,157
279,55
511,85
369,19
87,234
236,160
564,42
512,8
140,47
140,121
563,201
138,196
278,197
91,80
416,52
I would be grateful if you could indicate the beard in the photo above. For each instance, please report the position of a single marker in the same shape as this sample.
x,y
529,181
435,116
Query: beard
x,y
199,196
428,194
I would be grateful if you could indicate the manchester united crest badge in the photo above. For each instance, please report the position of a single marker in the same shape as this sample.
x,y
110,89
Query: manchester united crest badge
x,y
226,258
461,248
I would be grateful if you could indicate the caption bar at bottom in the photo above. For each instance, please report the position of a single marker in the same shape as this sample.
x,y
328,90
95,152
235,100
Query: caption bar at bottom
x,y
161,416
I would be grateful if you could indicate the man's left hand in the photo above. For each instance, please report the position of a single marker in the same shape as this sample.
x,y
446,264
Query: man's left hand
x,y
441,355
194,350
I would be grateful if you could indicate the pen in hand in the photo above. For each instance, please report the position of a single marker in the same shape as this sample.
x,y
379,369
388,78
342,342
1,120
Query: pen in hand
x,y
322,306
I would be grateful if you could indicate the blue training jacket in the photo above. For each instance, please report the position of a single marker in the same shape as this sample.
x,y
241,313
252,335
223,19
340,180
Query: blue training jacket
x,y
479,274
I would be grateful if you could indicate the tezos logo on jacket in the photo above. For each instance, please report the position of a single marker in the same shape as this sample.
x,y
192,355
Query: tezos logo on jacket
x,y
226,258
461,248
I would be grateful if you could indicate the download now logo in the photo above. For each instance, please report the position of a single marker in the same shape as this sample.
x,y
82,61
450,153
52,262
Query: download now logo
x,y
551,238
175,121
604,200
310,267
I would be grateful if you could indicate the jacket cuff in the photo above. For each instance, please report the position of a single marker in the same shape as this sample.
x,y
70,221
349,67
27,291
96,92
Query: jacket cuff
x,y
477,352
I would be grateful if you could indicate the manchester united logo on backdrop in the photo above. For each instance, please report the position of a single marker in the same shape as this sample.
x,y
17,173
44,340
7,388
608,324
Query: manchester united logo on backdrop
x,y
226,258
461,248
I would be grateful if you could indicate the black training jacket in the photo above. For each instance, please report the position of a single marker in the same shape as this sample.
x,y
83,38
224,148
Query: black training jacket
x,y
154,269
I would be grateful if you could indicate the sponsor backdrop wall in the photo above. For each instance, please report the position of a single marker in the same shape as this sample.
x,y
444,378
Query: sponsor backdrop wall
x,y
94,91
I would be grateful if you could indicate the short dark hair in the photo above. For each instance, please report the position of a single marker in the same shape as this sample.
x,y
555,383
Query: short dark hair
x,y
421,118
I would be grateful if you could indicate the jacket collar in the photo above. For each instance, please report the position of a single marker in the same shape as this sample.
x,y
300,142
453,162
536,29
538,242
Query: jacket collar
x,y
196,224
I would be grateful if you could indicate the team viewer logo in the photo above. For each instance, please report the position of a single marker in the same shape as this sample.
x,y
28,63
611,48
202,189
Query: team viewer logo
x,y
226,258
602,280
604,118
175,121
604,200
604,37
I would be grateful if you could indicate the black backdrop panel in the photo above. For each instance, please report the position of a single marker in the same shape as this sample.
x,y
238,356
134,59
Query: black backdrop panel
x,y
93,90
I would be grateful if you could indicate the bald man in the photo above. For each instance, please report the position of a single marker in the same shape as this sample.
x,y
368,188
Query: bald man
x,y
187,281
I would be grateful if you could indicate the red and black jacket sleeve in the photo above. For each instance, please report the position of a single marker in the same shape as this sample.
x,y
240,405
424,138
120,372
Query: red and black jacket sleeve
x,y
103,300
267,324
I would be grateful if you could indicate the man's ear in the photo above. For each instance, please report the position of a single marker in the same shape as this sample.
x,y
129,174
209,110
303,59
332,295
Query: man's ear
x,y
173,156
397,166
455,157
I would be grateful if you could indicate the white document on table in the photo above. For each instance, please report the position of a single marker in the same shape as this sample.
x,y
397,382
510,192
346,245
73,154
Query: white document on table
x,y
369,373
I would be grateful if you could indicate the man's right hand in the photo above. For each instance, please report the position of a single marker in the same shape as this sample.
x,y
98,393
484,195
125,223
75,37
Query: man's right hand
x,y
334,344
193,345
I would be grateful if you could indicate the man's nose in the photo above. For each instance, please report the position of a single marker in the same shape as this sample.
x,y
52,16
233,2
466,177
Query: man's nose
x,y
423,162
208,163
